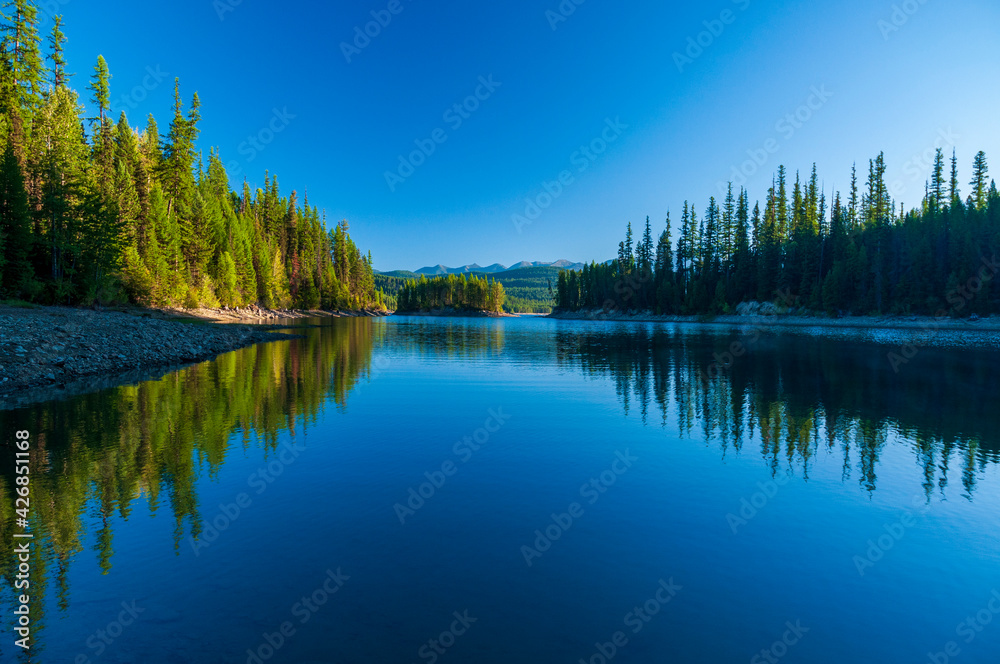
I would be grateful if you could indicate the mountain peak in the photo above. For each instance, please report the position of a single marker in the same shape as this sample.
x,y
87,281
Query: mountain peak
x,y
440,270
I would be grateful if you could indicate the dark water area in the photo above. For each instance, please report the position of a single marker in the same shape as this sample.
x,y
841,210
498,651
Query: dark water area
x,y
522,490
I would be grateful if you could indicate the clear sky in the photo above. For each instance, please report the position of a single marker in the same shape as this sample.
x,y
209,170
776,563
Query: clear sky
x,y
903,77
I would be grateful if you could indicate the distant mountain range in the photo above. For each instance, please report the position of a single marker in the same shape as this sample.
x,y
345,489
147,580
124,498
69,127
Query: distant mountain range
x,y
495,268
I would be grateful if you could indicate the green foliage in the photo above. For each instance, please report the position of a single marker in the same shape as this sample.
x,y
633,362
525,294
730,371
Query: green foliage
x,y
101,87
20,46
112,213
391,285
15,226
455,292
527,290
865,257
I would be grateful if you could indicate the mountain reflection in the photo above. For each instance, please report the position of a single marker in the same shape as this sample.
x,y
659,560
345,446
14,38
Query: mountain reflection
x,y
799,393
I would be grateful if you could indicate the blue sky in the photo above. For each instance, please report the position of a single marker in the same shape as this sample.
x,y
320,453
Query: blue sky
x,y
862,75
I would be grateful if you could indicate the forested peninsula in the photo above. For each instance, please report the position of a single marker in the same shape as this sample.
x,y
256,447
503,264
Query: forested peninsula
x,y
452,293
859,255
95,211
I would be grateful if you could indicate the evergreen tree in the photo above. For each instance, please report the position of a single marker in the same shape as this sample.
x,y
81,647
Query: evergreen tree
x,y
57,56
954,194
626,259
727,235
853,205
743,268
100,86
869,255
936,199
664,271
15,226
645,252
21,47
980,178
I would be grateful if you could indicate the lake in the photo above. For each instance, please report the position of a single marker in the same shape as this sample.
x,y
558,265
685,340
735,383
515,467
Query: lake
x,y
524,490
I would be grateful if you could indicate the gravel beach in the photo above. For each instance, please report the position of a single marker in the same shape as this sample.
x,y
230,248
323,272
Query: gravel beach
x,y
56,347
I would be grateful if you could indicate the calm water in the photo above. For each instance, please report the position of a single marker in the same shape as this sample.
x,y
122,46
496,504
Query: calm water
x,y
379,488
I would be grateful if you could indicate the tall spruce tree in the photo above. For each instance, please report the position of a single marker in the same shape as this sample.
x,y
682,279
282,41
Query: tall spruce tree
x,y
21,45
57,55
100,88
15,227
980,181
936,196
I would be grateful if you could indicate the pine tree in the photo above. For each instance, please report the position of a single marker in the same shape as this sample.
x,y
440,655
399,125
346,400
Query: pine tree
x,y
954,193
15,226
178,159
769,254
664,252
742,262
100,86
150,145
756,228
645,253
782,226
664,271
57,56
711,239
980,179
21,44
936,200
58,160
728,232
853,205
626,259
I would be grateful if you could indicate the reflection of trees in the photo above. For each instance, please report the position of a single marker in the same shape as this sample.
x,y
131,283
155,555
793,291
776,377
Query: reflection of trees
x,y
797,393
106,450
795,396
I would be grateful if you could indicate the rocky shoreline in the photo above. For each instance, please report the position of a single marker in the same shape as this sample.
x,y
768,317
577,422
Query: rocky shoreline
x,y
49,352
255,313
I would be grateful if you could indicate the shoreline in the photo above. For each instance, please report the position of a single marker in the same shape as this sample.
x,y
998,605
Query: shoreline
x,y
48,353
251,313
991,324
453,313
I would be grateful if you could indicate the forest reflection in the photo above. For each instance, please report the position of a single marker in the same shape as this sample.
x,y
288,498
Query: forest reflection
x,y
797,394
149,443
98,457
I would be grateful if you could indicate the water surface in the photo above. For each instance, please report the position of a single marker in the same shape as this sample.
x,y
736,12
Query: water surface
x,y
524,490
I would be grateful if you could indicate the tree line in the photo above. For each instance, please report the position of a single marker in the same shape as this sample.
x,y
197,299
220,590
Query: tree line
x,y
526,290
859,254
96,211
454,291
